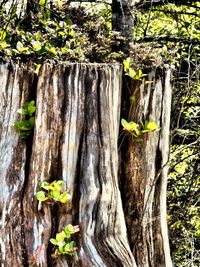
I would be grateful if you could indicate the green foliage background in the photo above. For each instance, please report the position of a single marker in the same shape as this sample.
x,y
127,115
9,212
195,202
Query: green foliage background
x,y
175,29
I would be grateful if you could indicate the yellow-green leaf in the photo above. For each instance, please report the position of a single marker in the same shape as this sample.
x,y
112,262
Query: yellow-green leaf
x,y
59,4
152,126
125,124
4,45
40,195
132,73
126,64
53,50
42,2
36,45
63,197
2,35
132,99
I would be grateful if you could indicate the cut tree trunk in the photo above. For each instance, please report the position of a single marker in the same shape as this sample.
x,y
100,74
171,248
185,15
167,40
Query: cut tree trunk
x,y
75,139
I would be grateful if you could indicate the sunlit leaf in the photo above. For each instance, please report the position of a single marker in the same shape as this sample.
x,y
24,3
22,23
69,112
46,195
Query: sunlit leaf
x,y
63,197
132,99
40,195
54,241
4,45
45,185
36,45
42,2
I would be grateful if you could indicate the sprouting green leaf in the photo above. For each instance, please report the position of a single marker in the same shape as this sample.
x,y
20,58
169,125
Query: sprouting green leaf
x,y
70,229
63,197
61,248
54,241
59,4
60,183
32,121
60,236
71,33
37,68
129,126
2,35
140,73
44,185
4,45
132,73
55,194
21,48
36,45
125,124
64,247
53,50
22,125
56,185
40,195
24,134
132,99
127,63
137,131
31,107
42,2
70,248
150,127
62,33
28,108
133,126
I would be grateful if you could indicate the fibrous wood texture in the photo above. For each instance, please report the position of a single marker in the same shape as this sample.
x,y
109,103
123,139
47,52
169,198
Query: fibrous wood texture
x,y
146,174
75,139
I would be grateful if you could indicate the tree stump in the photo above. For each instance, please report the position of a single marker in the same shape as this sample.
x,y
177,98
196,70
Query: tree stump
x,y
75,139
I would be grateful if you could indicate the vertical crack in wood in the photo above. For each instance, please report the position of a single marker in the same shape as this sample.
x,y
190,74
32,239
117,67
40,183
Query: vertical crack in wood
x,y
145,187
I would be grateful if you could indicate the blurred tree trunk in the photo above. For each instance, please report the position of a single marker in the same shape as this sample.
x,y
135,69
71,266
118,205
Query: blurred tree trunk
x,y
123,20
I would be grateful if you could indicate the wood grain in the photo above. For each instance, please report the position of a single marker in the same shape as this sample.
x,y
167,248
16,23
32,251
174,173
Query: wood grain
x,y
146,174
75,139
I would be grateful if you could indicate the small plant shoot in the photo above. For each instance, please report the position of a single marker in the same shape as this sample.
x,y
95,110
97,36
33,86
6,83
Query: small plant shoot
x,y
26,124
52,192
135,74
137,130
132,99
61,243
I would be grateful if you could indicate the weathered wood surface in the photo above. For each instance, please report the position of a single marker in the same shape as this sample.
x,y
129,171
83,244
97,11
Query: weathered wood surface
x,y
146,174
14,90
75,139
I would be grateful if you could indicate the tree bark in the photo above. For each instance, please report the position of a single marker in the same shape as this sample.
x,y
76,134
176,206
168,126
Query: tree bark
x,y
75,139
123,19
146,174
14,90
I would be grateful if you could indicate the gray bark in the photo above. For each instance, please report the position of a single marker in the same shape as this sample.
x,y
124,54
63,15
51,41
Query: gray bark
x,y
75,139
146,175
